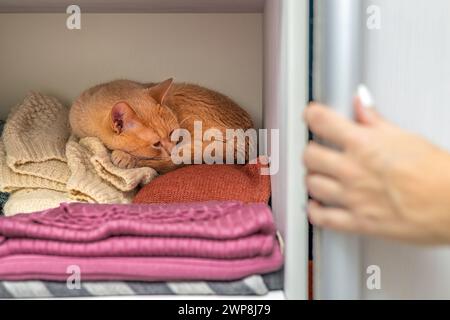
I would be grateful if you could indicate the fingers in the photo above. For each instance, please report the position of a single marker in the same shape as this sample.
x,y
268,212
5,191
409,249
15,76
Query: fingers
x,y
325,190
326,161
330,126
331,218
341,219
346,221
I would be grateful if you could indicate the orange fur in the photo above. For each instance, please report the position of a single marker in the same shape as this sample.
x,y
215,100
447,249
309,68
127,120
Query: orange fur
x,y
135,120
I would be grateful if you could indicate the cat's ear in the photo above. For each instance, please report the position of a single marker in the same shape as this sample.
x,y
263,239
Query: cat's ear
x,y
159,91
122,117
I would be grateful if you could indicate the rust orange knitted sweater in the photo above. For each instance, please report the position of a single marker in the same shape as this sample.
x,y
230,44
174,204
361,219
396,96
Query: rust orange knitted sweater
x,y
208,182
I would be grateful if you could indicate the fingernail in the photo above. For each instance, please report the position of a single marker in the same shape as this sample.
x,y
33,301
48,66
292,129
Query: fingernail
x,y
365,96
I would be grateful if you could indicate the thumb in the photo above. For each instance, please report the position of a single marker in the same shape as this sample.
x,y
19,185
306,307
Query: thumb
x,y
364,105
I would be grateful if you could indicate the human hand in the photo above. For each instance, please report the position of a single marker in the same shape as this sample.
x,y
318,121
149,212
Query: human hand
x,y
383,181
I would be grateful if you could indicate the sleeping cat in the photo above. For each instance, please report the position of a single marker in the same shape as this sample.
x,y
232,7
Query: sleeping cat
x,y
136,120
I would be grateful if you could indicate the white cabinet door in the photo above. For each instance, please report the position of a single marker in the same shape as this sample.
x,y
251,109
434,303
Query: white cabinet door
x,y
406,65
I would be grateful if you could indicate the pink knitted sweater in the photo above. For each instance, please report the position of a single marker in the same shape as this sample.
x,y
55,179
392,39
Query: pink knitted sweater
x,y
209,241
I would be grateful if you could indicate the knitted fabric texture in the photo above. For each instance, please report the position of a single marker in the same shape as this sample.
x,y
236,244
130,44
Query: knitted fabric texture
x,y
208,182
122,179
95,179
31,200
54,268
207,241
35,135
37,153
12,181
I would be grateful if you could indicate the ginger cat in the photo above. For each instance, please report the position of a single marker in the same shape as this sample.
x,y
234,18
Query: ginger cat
x,y
136,120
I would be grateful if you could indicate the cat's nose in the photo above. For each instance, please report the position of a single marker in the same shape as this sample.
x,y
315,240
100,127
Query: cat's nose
x,y
167,145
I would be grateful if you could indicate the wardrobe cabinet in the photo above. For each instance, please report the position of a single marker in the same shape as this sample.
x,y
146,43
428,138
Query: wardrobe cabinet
x,y
255,51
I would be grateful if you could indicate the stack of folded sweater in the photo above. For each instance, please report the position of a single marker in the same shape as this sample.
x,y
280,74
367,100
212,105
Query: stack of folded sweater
x,y
206,241
41,165
198,241
201,229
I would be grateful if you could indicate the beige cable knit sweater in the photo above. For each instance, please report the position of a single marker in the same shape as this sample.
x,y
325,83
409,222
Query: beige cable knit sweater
x,y
12,181
31,200
35,135
36,153
94,177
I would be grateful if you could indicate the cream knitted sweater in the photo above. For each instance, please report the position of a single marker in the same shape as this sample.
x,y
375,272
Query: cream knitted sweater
x,y
36,153
94,177
31,200
34,140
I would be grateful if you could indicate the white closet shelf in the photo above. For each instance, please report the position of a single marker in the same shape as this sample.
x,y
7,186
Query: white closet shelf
x,y
133,6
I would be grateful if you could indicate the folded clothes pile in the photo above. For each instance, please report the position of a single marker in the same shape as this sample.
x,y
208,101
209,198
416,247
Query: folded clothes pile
x,y
41,165
197,241
201,229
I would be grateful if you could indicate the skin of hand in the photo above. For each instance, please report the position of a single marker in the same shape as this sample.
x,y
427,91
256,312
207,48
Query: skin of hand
x,y
377,179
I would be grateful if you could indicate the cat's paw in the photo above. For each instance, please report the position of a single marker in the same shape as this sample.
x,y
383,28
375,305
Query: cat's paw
x,y
123,160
